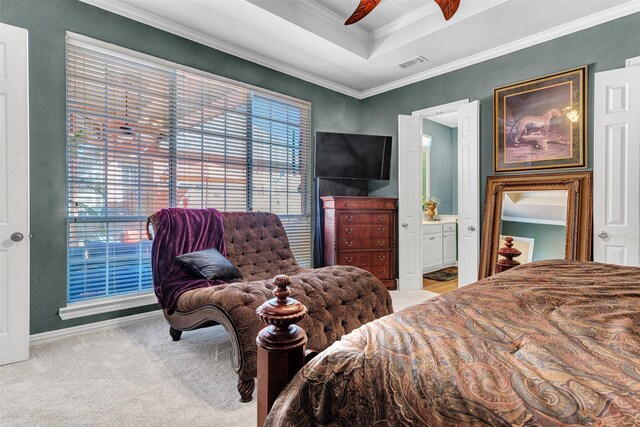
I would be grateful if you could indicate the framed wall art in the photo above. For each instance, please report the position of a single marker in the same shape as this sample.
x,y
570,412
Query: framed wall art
x,y
541,123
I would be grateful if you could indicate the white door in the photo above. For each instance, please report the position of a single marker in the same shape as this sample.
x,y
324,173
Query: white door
x,y
14,195
616,196
409,203
468,193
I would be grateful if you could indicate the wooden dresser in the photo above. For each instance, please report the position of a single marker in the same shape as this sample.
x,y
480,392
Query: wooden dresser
x,y
361,231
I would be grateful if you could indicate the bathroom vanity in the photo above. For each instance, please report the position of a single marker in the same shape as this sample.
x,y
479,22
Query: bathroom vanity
x,y
439,244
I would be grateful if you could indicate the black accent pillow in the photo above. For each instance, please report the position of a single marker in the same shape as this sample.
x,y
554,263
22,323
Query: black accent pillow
x,y
210,264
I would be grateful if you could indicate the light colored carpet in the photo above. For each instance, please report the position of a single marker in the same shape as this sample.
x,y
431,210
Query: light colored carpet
x,y
133,375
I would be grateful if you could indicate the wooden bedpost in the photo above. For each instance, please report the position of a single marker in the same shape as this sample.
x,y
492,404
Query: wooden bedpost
x,y
280,345
509,253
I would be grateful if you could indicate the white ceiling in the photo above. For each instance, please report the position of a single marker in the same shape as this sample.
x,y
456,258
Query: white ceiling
x,y
308,39
446,119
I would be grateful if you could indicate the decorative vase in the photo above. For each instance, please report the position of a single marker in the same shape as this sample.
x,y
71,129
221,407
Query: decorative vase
x,y
431,210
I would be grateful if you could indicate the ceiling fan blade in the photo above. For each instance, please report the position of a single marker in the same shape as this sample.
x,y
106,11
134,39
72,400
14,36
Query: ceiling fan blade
x,y
449,7
363,10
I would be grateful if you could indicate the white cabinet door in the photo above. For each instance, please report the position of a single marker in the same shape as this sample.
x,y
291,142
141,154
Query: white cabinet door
x,y
432,251
616,175
449,248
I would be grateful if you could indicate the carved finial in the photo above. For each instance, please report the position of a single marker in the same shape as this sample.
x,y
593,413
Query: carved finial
x,y
280,345
281,312
509,253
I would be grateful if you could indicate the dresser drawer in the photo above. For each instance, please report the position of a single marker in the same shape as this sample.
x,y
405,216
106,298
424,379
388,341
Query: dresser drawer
x,y
449,227
355,244
361,218
356,259
365,203
380,271
364,231
380,258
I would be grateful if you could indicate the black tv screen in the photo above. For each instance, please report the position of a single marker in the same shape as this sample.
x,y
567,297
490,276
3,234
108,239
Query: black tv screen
x,y
351,156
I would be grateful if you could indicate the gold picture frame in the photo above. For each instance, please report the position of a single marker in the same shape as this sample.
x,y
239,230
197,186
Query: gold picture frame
x,y
541,123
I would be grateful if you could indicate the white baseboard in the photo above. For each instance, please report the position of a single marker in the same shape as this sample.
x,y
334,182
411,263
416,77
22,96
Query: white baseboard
x,y
89,327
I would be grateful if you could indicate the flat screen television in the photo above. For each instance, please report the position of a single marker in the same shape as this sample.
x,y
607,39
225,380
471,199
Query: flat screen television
x,y
351,156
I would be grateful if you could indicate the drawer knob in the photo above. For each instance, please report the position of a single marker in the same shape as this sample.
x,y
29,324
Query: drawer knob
x,y
381,218
380,230
349,218
381,257
349,230
348,258
346,204
431,238
349,244
381,270
381,242
385,204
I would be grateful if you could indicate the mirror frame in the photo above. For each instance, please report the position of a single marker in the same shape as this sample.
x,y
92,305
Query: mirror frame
x,y
579,212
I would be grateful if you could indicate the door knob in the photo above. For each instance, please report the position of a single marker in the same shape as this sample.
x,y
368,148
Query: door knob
x,y
405,225
17,237
602,234
471,228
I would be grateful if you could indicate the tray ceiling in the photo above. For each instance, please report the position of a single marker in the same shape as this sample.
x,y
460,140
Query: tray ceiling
x,y
308,39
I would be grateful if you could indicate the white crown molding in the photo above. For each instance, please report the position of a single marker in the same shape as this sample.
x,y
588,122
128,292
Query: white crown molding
x,y
136,14
580,24
534,220
90,327
333,18
544,36
403,21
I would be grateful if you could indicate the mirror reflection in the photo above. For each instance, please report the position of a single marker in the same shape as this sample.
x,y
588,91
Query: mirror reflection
x,y
536,220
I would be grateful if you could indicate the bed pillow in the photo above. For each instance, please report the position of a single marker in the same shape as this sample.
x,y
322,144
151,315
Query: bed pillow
x,y
210,264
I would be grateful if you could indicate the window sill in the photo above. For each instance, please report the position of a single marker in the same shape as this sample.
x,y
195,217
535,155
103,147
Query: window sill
x,y
107,305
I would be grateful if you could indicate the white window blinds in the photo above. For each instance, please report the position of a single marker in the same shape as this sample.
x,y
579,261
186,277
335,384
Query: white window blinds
x,y
143,134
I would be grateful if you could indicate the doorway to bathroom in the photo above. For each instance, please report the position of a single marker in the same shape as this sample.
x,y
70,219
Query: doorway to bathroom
x,y
450,237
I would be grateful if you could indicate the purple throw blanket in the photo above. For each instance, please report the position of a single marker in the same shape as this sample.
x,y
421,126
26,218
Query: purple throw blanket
x,y
180,231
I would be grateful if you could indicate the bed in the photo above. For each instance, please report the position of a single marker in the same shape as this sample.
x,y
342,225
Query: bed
x,y
547,343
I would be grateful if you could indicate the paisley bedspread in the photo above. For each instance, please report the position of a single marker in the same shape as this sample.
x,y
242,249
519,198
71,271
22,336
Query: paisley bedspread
x,y
549,343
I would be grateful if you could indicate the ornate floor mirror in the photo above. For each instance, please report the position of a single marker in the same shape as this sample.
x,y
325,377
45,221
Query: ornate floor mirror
x,y
562,202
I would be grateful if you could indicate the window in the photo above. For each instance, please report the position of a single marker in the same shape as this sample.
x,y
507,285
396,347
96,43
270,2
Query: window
x,y
144,134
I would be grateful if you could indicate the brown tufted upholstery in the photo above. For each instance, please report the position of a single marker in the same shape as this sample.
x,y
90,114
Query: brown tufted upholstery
x,y
258,245
339,298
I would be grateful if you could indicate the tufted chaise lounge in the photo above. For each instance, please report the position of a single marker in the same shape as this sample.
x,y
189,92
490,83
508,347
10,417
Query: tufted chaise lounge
x,y
339,298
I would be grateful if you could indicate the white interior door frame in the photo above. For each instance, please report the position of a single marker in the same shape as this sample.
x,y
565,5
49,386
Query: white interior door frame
x,y
463,199
14,194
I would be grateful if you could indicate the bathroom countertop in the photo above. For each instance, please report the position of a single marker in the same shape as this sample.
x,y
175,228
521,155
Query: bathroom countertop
x,y
440,221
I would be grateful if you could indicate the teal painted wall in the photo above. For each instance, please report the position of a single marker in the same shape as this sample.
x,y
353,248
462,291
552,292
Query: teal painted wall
x,y
46,21
549,240
603,47
443,167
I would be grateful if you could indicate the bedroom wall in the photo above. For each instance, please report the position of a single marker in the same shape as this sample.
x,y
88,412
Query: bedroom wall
x,y
46,22
443,167
603,47
549,240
